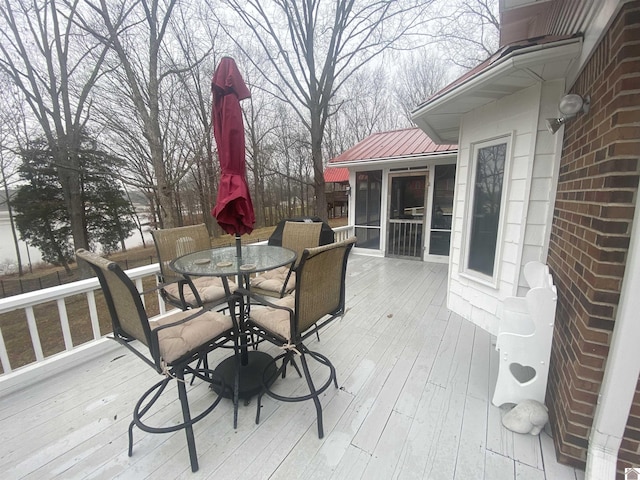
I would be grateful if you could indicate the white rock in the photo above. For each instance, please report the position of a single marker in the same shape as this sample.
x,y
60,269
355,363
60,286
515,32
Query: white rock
x,y
529,416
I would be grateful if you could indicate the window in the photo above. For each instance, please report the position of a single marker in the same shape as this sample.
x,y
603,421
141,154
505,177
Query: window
x,y
487,197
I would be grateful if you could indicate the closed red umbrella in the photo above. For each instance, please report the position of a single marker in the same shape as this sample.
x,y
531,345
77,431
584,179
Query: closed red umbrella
x,y
233,209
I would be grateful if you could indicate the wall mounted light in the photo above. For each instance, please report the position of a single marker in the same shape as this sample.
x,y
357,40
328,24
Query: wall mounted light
x,y
570,105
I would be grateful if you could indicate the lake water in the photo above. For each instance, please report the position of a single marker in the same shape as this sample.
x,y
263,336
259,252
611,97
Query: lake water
x,y
8,257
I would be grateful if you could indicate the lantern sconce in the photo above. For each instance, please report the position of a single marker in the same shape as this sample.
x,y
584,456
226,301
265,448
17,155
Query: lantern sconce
x,y
570,105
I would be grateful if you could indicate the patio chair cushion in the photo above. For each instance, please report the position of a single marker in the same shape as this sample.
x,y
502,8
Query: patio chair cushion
x,y
272,280
210,290
296,236
273,319
176,341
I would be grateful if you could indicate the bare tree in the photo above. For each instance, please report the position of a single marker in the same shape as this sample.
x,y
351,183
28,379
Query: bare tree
x,y
421,75
468,30
195,84
55,65
367,104
313,47
129,26
10,120
260,123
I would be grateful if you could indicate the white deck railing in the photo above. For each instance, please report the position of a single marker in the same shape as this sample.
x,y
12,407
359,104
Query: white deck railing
x,y
342,233
58,294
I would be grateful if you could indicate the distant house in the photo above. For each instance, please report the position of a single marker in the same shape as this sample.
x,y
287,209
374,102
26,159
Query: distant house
x,y
337,191
534,183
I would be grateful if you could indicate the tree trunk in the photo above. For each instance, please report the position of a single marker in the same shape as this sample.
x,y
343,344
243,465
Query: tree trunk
x,y
318,167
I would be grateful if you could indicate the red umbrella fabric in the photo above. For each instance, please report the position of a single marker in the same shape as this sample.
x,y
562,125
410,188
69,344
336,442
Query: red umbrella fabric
x,y
233,209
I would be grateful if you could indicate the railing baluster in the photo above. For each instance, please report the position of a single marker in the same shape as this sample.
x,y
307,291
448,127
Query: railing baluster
x,y
64,323
162,308
138,283
4,357
35,337
93,315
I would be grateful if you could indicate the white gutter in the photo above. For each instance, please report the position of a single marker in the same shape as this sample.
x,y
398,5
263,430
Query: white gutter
x,y
621,370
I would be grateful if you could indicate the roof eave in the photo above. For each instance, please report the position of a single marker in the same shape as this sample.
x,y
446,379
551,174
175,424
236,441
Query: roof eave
x,y
395,160
520,60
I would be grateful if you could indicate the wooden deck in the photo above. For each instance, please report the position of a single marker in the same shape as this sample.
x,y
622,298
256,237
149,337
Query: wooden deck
x,y
414,402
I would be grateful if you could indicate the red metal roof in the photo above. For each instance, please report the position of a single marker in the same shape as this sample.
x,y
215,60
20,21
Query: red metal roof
x,y
395,144
336,175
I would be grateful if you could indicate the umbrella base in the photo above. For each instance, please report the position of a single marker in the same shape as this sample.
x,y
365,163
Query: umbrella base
x,y
251,375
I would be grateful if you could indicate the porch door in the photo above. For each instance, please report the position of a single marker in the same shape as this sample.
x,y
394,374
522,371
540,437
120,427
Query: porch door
x,y
407,200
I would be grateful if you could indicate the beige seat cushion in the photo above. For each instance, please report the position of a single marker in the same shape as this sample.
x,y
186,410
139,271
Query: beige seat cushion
x,y
273,280
176,341
210,290
275,320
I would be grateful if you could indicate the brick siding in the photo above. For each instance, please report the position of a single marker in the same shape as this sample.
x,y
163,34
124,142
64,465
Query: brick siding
x,y
594,208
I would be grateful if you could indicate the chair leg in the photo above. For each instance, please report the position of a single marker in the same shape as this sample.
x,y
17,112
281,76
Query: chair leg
x,y
295,365
149,398
259,406
286,358
188,429
314,394
138,413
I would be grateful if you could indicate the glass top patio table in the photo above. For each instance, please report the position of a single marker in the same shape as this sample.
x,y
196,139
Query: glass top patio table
x,y
223,262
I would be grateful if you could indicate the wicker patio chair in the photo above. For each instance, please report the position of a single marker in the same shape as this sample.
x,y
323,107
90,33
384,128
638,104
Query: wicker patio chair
x,y
169,345
281,281
287,322
181,291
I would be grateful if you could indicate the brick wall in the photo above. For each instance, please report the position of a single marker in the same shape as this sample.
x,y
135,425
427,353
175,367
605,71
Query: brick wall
x,y
594,207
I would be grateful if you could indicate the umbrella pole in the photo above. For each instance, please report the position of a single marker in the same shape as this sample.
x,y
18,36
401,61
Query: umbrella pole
x,y
238,246
244,354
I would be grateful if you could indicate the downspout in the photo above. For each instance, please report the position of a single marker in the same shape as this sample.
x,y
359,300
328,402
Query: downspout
x,y
621,371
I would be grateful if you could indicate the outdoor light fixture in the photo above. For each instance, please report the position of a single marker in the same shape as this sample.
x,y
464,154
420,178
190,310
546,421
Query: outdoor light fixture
x,y
570,105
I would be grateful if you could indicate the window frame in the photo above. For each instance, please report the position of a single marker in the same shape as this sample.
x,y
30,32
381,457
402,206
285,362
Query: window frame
x,y
466,271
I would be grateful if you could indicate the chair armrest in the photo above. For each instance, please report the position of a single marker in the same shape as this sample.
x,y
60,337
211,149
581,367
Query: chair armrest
x,y
179,322
260,300
153,289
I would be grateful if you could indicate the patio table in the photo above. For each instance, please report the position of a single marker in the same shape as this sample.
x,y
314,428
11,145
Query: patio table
x,y
224,262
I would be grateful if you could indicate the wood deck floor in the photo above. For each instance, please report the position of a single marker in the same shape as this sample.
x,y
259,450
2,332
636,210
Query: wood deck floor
x,y
414,402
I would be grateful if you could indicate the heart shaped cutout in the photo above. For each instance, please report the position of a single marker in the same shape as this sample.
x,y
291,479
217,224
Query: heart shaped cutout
x,y
522,373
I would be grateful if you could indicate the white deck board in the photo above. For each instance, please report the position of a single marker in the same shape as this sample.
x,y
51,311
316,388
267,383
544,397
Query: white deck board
x,y
414,402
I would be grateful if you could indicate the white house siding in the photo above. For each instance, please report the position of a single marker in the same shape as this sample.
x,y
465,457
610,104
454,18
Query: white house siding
x,y
530,188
